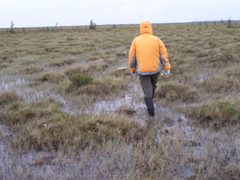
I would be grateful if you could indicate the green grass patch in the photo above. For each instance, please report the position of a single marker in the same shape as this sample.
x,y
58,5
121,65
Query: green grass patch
x,y
80,79
5,58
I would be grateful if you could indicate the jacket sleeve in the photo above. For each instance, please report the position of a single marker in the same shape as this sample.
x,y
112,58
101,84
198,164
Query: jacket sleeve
x,y
132,60
164,56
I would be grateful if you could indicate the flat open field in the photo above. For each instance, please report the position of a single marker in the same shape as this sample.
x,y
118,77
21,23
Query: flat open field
x,y
68,112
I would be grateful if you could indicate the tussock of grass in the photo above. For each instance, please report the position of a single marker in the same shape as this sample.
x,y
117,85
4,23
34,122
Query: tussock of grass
x,y
51,77
79,69
72,51
6,59
224,57
216,112
121,55
3,65
126,110
94,58
219,84
87,130
87,68
9,97
32,69
217,60
178,71
232,71
110,52
120,73
29,62
80,79
109,59
42,125
63,62
175,91
19,113
98,65
101,86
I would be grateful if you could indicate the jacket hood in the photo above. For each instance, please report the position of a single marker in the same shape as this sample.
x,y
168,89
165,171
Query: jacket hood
x,y
145,27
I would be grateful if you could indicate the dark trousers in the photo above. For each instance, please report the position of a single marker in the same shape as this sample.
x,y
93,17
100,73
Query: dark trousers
x,y
148,83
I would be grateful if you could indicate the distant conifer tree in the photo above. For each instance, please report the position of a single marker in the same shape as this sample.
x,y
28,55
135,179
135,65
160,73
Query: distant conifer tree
x,y
92,25
11,27
229,23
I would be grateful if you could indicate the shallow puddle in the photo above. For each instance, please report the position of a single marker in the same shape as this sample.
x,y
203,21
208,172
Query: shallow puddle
x,y
8,83
20,85
203,141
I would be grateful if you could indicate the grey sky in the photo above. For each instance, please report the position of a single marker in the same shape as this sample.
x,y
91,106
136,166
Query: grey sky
x,y
31,13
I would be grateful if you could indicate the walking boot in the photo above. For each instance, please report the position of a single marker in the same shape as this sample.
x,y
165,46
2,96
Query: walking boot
x,y
150,107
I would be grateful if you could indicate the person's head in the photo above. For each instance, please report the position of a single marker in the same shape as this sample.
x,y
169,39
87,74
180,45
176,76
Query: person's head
x,y
145,27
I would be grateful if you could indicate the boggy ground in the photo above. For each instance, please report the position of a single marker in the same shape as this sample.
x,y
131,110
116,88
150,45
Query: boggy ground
x,y
67,112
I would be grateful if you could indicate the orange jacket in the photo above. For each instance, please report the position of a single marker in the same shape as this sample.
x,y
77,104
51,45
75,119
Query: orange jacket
x,y
148,54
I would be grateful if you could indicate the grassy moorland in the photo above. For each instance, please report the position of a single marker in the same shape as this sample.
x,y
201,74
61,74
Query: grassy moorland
x,y
67,112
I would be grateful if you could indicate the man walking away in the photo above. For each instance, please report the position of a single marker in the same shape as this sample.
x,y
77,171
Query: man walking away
x,y
147,56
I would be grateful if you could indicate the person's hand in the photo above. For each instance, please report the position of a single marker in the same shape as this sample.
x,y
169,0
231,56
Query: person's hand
x,y
133,73
167,72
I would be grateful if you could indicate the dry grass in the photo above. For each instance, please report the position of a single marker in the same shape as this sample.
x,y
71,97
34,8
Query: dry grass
x,y
63,62
9,97
19,113
126,110
42,125
101,87
53,77
232,71
95,131
220,84
174,92
65,132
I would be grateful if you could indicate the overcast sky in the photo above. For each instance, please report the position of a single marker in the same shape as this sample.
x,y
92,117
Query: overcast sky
x,y
35,13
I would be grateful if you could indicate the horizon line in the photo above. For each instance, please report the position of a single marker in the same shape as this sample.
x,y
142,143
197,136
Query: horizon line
x,y
183,22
